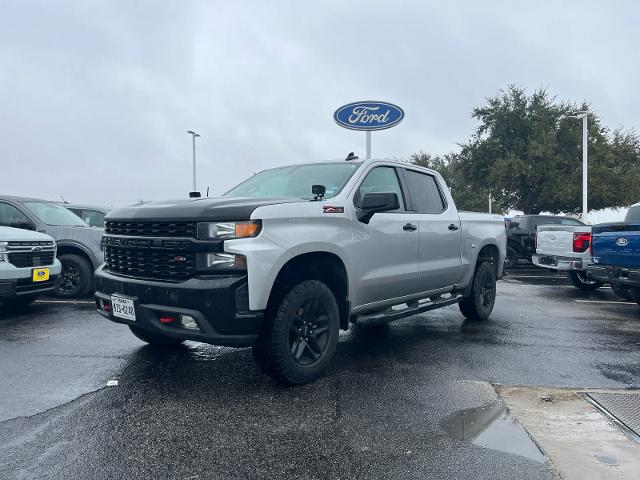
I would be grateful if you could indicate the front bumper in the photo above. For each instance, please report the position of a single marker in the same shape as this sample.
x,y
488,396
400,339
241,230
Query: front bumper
x,y
554,262
609,273
25,287
218,303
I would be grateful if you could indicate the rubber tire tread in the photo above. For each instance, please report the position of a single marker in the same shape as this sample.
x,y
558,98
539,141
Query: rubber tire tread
x,y
586,287
86,275
471,306
271,350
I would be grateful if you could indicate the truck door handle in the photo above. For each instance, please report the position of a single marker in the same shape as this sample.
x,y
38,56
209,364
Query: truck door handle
x,y
409,227
453,226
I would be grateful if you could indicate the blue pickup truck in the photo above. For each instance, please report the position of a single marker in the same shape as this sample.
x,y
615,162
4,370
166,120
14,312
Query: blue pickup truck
x,y
616,253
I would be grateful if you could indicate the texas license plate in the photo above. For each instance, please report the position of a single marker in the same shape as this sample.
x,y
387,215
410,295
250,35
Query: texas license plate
x,y
123,308
40,274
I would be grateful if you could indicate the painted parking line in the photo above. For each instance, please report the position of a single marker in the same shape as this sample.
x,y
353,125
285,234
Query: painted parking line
x,y
69,302
605,301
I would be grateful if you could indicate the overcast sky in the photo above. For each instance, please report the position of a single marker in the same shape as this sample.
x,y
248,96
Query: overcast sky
x,y
95,97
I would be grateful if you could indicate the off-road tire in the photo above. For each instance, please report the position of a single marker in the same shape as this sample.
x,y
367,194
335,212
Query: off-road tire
x,y
479,305
622,291
154,338
281,349
73,265
580,280
511,259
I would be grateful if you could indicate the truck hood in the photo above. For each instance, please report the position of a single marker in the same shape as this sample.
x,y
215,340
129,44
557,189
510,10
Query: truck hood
x,y
10,234
201,209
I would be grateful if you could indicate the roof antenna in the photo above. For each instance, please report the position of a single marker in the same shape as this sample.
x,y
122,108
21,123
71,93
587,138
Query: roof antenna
x,y
351,156
207,191
63,200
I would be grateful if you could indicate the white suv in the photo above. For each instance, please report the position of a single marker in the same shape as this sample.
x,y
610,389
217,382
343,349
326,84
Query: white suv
x,y
28,265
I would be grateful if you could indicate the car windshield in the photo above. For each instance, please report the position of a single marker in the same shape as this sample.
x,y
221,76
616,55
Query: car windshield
x,y
54,214
296,181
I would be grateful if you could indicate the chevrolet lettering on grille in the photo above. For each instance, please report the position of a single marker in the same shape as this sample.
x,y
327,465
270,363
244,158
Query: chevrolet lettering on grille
x,y
143,242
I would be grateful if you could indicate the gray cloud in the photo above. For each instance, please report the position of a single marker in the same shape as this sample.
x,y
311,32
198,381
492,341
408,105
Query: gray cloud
x,y
95,97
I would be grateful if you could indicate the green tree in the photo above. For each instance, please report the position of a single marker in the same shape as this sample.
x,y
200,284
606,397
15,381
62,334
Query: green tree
x,y
529,155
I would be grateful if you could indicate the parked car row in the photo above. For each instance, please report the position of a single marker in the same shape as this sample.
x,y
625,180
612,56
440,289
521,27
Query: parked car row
x,y
76,244
592,256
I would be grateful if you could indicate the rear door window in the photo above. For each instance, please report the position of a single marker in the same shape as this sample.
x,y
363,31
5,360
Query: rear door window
x,y
425,194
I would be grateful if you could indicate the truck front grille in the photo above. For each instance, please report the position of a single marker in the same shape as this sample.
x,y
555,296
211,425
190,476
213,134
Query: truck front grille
x,y
31,259
148,263
151,229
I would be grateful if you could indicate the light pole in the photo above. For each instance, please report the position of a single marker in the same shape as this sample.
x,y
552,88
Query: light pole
x,y
193,136
585,165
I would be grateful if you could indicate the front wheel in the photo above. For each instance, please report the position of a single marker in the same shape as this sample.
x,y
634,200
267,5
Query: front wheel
x,y
76,276
622,291
583,281
299,335
479,305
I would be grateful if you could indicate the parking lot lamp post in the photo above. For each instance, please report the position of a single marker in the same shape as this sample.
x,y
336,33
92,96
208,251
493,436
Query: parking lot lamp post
x,y
193,136
585,165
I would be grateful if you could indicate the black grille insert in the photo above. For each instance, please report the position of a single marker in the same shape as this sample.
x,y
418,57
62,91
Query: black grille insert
x,y
151,229
149,263
30,259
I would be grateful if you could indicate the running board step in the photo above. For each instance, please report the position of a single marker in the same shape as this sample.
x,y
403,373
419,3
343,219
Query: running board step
x,y
391,315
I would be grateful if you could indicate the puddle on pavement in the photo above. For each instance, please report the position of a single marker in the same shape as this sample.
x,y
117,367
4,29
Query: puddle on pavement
x,y
493,426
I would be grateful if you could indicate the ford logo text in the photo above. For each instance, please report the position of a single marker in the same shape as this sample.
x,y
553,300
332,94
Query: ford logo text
x,y
368,115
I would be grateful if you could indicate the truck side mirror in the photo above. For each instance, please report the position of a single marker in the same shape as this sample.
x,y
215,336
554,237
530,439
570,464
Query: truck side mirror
x,y
371,203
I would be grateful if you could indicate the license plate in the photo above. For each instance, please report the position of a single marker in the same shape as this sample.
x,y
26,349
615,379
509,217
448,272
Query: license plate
x,y
40,274
123,308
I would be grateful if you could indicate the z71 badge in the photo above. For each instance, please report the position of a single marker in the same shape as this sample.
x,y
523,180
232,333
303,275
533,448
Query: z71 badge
x,y
328,209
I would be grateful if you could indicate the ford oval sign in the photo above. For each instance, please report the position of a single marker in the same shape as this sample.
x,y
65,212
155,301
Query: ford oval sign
x,y
622,242
368,115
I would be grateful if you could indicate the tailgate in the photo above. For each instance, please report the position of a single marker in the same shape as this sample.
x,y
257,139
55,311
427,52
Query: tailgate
x,y
557,240
617,245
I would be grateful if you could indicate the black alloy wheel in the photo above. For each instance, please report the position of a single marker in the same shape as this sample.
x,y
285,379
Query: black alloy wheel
x,y
299,334
70,278
309,333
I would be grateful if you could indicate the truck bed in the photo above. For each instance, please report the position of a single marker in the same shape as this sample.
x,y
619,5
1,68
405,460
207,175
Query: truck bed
x,y
617,244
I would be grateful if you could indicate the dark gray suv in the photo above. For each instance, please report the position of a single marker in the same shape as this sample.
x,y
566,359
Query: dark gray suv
x,y
79,248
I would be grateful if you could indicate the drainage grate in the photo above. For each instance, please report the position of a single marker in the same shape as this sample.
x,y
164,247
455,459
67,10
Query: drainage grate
x,y
622,407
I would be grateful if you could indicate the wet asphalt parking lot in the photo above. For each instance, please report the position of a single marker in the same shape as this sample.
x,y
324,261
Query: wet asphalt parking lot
x,y
387,407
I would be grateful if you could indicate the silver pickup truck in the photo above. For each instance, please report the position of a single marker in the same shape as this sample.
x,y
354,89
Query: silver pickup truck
x,y
290,256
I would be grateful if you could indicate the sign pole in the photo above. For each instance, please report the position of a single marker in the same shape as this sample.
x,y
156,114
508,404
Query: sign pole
x,y
368,145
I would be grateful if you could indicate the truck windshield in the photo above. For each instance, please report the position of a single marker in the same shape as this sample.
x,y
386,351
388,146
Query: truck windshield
x,y
296,181
53,214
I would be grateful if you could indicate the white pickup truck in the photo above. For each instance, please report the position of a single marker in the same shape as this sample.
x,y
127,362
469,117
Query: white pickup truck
x,y
566,248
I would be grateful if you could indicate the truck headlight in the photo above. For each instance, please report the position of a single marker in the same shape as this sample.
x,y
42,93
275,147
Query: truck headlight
x,y
4,256
228,230
220,261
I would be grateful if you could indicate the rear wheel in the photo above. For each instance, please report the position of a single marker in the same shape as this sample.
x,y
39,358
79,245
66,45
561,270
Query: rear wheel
x,y
622,291
479,305
583,281
76,277
153,338
512,258
299,335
